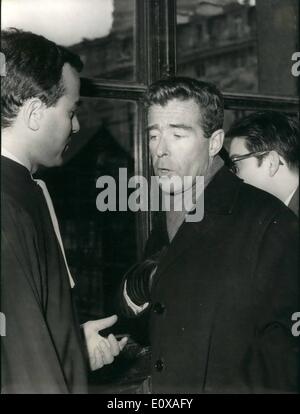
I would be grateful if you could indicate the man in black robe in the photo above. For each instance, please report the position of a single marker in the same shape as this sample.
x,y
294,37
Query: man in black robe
x,y
42,350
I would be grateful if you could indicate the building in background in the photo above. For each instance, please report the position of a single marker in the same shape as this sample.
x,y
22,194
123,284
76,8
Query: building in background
x,y
216,40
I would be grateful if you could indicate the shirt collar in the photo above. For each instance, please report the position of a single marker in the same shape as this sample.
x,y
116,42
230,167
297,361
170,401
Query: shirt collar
x,y
287,201
12,157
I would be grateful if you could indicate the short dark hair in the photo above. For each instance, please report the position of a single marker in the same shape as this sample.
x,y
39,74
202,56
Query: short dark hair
x,y
206,95
33,69
267,131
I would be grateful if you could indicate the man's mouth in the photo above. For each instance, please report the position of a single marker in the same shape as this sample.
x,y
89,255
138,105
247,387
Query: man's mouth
x,y
164,171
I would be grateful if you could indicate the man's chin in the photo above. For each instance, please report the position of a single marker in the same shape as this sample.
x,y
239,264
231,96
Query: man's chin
x,y
170,189
49,164
170,184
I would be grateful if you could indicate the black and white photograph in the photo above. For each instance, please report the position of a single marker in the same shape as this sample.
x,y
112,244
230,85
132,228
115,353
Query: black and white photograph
x,y
150,199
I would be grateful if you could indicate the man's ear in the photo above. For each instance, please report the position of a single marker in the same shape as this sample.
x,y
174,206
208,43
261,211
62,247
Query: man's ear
x,y
273,163
33,113
216,142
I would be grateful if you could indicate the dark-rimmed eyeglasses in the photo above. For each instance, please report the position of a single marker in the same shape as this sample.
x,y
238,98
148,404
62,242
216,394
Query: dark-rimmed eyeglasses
x,y
257,154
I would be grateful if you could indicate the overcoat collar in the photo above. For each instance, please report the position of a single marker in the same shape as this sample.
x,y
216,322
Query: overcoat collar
x,y
220,198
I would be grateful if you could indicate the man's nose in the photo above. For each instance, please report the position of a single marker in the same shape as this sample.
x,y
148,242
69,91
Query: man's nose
x,y
75,125
162,148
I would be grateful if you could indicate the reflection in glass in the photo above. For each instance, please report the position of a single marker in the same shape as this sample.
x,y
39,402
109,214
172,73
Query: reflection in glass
x,y
241,45
112,56
102,32
217,42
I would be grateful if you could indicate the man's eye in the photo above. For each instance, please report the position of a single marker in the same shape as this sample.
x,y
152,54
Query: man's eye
x,y
179,135
152,137
72,114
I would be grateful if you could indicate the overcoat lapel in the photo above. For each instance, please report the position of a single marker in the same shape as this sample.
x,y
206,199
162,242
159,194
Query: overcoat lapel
x,y
215,203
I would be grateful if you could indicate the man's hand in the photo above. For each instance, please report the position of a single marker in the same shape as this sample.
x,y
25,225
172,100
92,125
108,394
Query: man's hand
x,y
102,350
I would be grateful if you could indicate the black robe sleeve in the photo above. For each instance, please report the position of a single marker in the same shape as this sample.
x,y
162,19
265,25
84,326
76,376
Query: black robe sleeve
x,y
272,363
29,361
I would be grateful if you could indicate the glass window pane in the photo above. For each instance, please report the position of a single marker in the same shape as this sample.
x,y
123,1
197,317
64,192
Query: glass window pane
x,y
241,45
102,32
100,246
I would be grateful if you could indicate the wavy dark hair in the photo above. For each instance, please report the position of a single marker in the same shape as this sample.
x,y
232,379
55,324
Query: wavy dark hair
x,y
33,69
205,94
267,131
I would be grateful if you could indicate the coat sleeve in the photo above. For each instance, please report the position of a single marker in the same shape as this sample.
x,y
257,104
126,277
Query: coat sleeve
x,y
274,359
29,363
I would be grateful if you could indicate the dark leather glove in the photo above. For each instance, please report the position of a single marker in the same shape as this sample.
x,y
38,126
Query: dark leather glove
x,y
138,281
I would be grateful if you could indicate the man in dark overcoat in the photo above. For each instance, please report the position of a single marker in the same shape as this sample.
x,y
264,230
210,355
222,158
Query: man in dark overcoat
x,y
220,291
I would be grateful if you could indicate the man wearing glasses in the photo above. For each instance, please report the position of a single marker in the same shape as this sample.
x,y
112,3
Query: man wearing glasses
x,y
264,150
